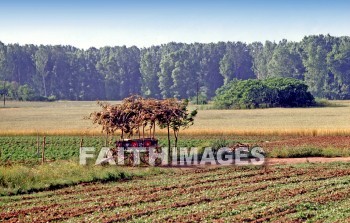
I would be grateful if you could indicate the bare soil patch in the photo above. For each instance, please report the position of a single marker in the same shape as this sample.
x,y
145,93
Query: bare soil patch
x,y
316,141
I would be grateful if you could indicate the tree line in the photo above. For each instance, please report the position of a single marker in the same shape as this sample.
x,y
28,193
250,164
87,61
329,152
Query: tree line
x,y
172,70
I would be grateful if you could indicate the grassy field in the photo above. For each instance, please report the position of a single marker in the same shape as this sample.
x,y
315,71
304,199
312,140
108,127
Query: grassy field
x,y
65,191
66,117
247,194
19,179
277,126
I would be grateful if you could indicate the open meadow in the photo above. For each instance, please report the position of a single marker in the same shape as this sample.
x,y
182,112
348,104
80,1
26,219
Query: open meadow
x,y
65,117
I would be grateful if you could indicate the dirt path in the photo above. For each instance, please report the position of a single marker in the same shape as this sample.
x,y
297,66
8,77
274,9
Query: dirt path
x,y
273,161
316,141
270,161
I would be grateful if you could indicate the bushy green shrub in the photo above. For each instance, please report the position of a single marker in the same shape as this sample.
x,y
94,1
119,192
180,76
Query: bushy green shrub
x,y
272,92
14,91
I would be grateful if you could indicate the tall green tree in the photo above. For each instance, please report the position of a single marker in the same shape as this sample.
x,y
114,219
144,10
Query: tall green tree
x,y
149,68
20,64
210,78
237,62
261,57
183,75
121,70
314,51
338,61
164,75
285,62
41,58
3,62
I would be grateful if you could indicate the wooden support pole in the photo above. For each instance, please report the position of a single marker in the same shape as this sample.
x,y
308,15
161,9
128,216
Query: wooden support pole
x,y
37,144
4,94
197,94
81,142
43,151
154,130
266,166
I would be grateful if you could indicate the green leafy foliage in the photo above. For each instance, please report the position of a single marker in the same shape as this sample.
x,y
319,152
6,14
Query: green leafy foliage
x,y
272,92
25,148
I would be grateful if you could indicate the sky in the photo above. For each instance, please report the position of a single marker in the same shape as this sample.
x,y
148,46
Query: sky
x,y
98,23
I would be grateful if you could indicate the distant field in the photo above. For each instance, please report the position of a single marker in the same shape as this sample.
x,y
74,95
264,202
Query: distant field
x,y
67,116
45,116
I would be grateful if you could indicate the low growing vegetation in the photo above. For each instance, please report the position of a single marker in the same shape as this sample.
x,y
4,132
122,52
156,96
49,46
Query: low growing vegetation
x,y
298,152
24,149
230,194
19,179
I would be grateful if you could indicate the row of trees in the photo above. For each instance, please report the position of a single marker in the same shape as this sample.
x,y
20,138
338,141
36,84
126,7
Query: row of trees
x,y
270,92
135,115
176,69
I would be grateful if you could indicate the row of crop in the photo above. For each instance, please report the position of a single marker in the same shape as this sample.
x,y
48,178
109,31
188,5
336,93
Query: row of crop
x,y
29,148
230,194
240,201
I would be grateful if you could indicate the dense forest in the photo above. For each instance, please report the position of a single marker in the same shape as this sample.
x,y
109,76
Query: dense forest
x,y
172,70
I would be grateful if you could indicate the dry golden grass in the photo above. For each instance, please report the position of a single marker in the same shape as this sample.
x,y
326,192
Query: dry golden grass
x,y
66,118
